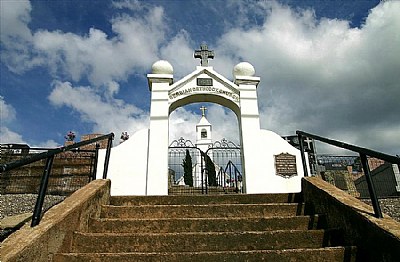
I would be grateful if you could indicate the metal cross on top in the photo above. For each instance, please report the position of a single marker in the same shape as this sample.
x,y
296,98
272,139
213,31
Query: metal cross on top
x,y
204,54
203,110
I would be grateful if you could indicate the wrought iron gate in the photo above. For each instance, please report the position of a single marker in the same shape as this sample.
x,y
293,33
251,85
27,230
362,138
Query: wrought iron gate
x,y
218,170
227,159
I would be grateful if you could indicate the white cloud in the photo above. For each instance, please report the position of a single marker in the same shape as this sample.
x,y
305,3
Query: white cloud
x,y
95,56
10,137
100,58
183,121
48,144
224,122
16,37
322,75
15,15
133,5
7,116
318,74
179,53
7,112
106,113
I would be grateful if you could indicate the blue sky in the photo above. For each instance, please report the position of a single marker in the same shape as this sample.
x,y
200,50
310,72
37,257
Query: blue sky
x,y
326,67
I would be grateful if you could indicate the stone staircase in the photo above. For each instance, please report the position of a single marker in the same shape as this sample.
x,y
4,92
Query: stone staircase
x,y
269,227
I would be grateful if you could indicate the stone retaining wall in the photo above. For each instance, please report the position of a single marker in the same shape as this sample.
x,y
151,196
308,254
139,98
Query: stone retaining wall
x,y
376,239
54,233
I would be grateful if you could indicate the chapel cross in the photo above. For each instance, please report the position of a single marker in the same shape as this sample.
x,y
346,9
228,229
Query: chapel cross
x,y
203,110
204,54
309,143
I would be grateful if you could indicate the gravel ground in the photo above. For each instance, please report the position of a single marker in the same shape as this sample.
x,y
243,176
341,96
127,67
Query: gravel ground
x,y
24,203
11,205
390,206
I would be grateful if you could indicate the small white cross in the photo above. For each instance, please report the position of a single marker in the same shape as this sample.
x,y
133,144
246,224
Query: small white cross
x,y
203,110
309,142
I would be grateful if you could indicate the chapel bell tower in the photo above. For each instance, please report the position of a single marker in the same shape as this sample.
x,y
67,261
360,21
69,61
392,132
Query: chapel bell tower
x,y
203,132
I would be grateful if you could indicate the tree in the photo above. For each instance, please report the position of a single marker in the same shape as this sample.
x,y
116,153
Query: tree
x,y
212,175
187,169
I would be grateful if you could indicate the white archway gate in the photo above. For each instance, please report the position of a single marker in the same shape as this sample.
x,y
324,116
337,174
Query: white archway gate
x,y
202,85
139,166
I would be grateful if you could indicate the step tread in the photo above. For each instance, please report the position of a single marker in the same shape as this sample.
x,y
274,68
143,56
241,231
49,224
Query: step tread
x,y
200,241
214,210
297,254
204,205
108,219
207,199
111,234
203,224
290,250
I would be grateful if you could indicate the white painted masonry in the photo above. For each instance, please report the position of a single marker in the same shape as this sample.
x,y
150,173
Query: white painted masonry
x,y
139,166
128,165
203,143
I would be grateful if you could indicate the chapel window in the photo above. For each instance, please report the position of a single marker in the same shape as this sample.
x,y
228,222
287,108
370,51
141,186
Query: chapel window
x,y
203,133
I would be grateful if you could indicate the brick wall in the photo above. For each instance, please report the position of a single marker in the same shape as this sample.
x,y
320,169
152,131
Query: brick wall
x,y
70,171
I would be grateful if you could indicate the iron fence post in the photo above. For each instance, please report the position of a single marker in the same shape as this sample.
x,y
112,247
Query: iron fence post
x,y
303,156
236,182
206,170
202,172
230,174
108,152
220,182
42,191
371,187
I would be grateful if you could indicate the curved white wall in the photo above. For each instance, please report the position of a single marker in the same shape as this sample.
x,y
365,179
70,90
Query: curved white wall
x,y
128,165
265,179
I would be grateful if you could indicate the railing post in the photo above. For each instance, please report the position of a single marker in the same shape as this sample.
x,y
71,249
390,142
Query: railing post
x,y
96,159
108,152
371,187
37,212
303,156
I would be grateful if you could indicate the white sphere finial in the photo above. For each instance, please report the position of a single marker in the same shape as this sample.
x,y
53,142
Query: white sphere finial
x,y
244,69
162,67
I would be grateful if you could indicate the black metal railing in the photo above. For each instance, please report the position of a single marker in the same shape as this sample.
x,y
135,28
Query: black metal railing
x,y
70,171
363,152
49,156
230,176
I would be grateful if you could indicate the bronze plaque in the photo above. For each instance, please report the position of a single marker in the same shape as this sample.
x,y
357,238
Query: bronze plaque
x,y
285,165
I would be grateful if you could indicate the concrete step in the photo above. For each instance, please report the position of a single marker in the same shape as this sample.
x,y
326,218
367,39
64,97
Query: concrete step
x,y
199,241
185,190
197,211
206,199
333,254
175,225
